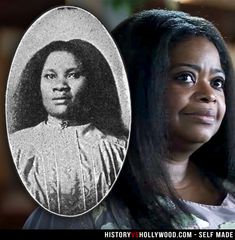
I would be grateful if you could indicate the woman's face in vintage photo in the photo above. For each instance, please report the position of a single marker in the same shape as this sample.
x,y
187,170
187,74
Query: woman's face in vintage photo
x,y
62,80
195,94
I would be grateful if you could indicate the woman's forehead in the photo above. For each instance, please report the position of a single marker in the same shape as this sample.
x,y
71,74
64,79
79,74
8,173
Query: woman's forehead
x,y
63,57
195,48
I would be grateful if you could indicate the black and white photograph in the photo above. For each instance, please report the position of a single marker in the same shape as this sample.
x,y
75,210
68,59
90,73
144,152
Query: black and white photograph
x,y
68,111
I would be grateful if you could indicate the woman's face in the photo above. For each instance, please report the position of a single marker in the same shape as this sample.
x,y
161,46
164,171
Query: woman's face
x,y
62,82
195,95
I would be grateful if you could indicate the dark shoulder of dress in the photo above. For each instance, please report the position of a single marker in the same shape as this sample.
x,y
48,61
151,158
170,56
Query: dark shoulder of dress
x,y
109,214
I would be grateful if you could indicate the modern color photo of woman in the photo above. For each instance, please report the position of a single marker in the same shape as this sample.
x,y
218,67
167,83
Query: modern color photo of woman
x,y
179,171
69,141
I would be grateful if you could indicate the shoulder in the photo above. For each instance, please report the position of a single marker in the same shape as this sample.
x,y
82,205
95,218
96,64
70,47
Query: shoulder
x,y
112,213
26,134
26,140
93,134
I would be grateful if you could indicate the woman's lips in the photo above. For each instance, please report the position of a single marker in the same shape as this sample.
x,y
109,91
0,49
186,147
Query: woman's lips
x,y
204,116
61,100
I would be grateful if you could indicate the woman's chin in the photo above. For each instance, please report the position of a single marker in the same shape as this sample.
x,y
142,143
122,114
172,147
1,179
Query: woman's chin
x,y
59,114
197,133
200,138
193,139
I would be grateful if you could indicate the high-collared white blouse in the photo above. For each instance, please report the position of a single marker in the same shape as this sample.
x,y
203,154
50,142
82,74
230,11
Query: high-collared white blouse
x,y
68,169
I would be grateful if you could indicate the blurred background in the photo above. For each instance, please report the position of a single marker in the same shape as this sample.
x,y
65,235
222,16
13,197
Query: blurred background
x,y
15,18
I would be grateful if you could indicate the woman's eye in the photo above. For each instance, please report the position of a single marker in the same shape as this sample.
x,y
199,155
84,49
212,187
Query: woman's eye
x,y
73,75
185,78
50,76
218,83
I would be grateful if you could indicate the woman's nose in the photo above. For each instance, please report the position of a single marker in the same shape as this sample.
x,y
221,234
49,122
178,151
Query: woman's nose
x,y
205,93
61,85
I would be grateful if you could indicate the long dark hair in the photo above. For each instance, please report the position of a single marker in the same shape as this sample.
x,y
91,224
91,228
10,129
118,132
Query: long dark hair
x,y
100,102
144,41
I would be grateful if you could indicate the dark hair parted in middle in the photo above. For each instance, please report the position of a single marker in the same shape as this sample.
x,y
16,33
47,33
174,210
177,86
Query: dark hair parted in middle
x,y
145,41
100,101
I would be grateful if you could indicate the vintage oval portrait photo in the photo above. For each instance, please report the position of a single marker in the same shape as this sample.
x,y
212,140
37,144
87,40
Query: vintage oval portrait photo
x,y
68,111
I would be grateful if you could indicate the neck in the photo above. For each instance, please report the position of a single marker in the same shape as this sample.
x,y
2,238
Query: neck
x,y
65,120
187,180
62,122
179,167
178,171
191,185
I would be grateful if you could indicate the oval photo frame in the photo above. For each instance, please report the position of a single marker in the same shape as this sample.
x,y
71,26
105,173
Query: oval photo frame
x,y
68,111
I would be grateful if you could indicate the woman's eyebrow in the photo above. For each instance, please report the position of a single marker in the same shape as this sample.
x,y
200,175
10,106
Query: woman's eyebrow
x,y
49,70
217,70
196,67
73,69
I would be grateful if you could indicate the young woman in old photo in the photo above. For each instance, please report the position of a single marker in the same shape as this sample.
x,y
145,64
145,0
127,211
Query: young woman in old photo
x,y
69,141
